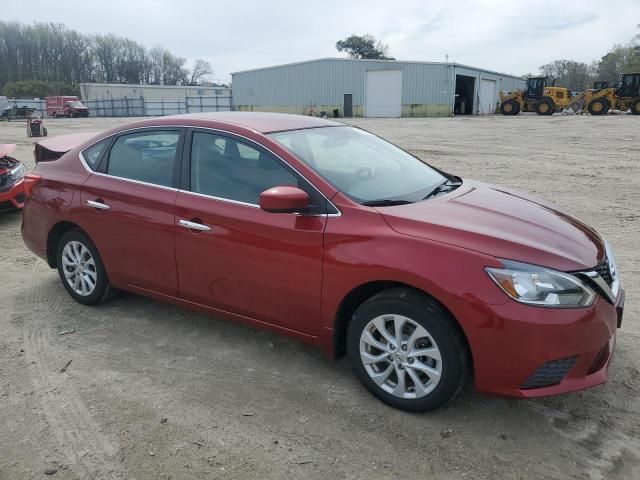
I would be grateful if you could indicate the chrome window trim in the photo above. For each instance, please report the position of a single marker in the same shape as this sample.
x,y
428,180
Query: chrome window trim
x,y
224,132
227,200
138,182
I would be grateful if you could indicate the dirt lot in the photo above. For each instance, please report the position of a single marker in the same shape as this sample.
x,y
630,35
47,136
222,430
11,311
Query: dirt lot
x,y
154,391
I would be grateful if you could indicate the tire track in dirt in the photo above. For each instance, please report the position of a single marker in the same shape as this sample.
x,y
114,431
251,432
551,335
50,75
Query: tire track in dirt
x,y
87,450
608,448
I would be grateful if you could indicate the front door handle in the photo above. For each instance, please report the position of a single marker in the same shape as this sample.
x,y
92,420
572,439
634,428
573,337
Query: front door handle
x,y
98,205
194,226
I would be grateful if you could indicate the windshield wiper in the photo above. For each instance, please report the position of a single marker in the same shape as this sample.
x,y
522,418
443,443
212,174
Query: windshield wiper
x,y
385,202
446,186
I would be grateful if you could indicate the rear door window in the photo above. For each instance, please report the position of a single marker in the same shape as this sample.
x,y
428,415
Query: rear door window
x,y
93,154
145,156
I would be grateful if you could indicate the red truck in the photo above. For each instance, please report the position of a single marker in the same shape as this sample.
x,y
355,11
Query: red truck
x,y
66,106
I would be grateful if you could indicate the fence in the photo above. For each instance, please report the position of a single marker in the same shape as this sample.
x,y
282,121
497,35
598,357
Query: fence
x,y
139,107
38,105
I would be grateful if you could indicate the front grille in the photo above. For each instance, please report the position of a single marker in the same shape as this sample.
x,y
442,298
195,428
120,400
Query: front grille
x,y
604,271
550,373
5,182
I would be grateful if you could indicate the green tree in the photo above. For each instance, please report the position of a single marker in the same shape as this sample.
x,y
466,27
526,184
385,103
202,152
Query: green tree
x,y
38,89
364,46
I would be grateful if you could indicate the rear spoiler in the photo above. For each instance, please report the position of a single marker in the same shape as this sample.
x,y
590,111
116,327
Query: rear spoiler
x,y
55,147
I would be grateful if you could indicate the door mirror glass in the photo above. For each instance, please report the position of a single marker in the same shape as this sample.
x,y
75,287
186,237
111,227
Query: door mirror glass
x,y
284,199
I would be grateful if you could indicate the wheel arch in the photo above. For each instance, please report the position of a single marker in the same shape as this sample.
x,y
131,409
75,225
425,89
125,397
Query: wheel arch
x,y
54,236
358,295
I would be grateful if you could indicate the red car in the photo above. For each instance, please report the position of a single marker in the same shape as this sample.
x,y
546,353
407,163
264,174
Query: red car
x,y
12,172
331,235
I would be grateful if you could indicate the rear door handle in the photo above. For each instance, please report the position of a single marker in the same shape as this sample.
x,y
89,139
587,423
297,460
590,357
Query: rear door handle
x,y
194,226
98,205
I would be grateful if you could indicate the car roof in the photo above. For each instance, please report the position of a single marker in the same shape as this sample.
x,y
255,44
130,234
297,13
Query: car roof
x,y
262,122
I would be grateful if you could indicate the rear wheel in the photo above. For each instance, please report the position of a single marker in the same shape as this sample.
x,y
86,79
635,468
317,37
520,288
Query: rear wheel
x,y
598,106
407,350
509,107
545,106
81,270
635,106
576,106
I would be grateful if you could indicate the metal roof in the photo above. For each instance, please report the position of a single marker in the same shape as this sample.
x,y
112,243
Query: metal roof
x,y
375,60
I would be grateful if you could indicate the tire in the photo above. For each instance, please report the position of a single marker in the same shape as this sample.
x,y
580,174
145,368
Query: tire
x,y
439,334
576,106
598,106
44,132
509,107
75,245
635,106
545,106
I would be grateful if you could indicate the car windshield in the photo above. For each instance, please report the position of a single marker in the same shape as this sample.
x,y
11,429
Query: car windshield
x,y
75,104
362,165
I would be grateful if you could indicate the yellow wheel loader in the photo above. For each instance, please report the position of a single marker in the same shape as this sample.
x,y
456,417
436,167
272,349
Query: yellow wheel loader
x,y
579,101
536,97
624,96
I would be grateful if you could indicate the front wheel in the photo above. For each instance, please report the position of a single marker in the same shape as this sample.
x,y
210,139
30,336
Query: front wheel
x,y
81,270
598,106
635,106
407,350
545,106
509,107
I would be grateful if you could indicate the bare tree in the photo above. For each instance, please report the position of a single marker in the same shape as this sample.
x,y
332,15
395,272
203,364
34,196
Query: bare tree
x,y
575,76
50,52
201,71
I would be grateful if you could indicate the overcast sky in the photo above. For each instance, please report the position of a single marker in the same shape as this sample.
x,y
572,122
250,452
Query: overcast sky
x,y
512,36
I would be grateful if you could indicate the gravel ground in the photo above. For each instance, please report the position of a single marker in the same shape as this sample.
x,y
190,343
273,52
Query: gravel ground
x,y
154,391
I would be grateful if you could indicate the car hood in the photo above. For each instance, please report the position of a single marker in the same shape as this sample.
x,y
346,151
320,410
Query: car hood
x,y
503,223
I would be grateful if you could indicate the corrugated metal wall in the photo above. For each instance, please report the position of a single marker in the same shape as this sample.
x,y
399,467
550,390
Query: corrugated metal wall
x,y
325,81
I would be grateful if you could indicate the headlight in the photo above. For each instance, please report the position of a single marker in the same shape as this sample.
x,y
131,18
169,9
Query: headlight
x,y
613,269
18,172
540,286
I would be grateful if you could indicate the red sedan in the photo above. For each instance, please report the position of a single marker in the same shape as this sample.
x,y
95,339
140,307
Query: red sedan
x,y
329,234
12,174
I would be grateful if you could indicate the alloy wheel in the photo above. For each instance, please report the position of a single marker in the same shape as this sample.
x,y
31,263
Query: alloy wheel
x,y
400,356
79,268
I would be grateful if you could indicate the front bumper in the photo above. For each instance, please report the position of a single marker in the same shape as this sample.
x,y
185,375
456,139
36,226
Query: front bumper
x,y
13,198
525,351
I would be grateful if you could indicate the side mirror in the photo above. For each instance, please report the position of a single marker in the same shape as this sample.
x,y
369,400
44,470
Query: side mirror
x,y
285,199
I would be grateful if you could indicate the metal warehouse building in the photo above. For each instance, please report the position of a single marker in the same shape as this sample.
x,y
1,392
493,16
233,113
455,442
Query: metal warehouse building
x,y
151,93
371,88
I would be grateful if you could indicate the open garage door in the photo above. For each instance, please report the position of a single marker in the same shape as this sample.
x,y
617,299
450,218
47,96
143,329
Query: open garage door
x,y
465,87
487,97
383,96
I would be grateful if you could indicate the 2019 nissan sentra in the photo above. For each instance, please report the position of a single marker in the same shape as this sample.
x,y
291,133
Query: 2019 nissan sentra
x,y
331,235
